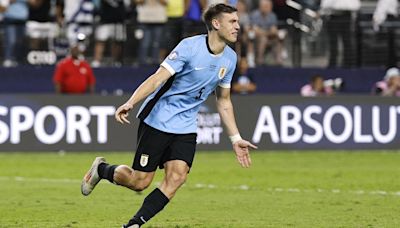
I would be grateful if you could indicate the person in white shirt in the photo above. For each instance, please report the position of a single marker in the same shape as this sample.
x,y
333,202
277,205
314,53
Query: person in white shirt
x,y
77,16
340,19
387,11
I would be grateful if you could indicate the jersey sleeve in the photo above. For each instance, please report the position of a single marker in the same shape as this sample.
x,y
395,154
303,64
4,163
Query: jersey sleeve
x,y
226,81
178,57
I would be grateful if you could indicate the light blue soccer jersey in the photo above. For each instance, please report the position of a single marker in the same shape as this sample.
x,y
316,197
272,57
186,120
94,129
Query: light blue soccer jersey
x,y
173,107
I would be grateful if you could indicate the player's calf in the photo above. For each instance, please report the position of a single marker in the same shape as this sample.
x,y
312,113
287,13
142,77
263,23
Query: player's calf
x,y
134,180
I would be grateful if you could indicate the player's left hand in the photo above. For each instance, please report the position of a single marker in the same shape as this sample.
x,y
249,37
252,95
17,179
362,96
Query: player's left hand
x,y
241,149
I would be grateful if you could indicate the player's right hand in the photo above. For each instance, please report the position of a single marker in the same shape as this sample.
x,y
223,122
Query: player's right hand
x,y
122,114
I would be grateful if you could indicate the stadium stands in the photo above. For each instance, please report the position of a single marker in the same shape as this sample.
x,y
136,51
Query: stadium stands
x,y
376,50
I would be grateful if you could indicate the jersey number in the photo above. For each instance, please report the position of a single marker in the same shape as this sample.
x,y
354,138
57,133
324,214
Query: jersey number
x,y
200,93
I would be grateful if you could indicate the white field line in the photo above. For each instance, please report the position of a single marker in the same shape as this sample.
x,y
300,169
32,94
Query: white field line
x,y
40,180
212,186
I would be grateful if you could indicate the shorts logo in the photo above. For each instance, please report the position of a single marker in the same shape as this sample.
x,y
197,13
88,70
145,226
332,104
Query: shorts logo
x,y
144,159
222,72
173,55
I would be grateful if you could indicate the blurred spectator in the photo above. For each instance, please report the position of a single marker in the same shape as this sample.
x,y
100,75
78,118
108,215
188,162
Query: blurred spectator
x,y
244,21
213,2
73,74
252,4
243,81
390,86
341,16
110,27
76,16
387,11
40,26
193,24
232,2
152,17
263,34
285,13
316,87
174,27
14,19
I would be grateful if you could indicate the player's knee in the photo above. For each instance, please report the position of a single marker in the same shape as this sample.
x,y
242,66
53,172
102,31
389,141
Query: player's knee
x,y
121,171
177,179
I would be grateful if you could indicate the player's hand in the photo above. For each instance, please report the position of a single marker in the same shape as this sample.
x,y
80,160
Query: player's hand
x,y
242,151
122,114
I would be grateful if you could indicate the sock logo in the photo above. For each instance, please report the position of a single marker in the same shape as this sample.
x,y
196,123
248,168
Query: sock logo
x,y
144,159
143,220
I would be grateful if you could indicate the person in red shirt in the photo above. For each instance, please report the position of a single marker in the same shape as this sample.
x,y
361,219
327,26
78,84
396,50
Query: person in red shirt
x,y
73,75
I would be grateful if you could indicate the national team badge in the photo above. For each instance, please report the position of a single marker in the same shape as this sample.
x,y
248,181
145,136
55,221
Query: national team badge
x,y
144,159
222,72
173,55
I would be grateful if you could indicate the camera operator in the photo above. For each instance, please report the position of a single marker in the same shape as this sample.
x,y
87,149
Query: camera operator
x,y
319,87
390,85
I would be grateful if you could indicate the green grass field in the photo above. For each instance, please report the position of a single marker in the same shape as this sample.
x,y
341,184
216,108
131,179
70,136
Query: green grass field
x,y
281,189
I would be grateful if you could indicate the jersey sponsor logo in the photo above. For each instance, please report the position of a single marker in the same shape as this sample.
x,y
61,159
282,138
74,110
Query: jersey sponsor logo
x,y
222,72
144,159
174,55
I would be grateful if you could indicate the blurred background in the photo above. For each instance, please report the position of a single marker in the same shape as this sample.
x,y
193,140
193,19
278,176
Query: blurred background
x,y
343,52
282,44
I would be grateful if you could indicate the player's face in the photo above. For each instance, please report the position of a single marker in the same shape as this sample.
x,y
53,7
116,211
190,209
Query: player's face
x,y
229,26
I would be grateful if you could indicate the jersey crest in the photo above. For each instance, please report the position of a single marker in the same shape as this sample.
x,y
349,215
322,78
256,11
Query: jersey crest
x,y
222,72
174,55
144,159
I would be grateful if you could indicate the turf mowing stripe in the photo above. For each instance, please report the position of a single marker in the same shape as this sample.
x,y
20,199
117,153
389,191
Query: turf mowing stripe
x,y
212,186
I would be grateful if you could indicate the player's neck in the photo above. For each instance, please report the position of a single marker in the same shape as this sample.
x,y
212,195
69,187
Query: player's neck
x,y
215,43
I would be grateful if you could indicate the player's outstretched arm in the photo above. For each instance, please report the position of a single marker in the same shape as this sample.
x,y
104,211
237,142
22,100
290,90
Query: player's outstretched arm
x,y
225,109
145,89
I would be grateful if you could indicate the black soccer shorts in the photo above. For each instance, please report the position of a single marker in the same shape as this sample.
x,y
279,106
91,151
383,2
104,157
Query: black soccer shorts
x,y
155,147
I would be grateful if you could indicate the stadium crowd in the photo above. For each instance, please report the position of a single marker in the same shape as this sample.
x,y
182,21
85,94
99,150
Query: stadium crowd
x,y
143,32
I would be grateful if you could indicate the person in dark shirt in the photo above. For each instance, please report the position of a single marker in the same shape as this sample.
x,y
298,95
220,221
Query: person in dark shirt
x,y
111,27
40,26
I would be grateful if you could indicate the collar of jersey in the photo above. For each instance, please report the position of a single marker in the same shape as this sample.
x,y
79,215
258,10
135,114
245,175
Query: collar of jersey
x,y
211,52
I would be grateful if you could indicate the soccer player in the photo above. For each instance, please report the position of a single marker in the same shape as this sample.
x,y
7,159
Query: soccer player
x,y
198,66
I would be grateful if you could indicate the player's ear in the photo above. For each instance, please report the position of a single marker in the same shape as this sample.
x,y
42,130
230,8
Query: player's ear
x,y
215,23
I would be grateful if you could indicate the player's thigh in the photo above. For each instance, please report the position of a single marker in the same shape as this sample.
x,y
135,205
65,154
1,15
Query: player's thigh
x,y
133,177
144,177
152,144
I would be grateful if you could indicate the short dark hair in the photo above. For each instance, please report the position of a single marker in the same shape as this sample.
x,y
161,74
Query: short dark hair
x,y
214,11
